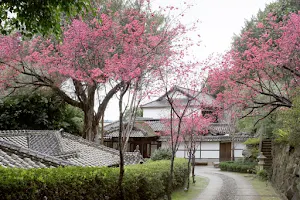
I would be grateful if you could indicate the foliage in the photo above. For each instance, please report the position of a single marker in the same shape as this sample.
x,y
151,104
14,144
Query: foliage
x,y
38,111
238,166
281,136
264,127
253,147
146,181
288,124
34,16
261,70
254,153
279,8
118,47
162,154
262,174
252,141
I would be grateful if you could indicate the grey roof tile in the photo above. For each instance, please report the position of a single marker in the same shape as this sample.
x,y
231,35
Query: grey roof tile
x,y
156,125
33,149
200,98
16,156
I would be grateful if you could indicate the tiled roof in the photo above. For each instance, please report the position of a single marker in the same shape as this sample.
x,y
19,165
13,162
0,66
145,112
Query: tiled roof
x,y
200,98
12,155
156,125
134,133
140,129
110,126
89,153
52,148
220,128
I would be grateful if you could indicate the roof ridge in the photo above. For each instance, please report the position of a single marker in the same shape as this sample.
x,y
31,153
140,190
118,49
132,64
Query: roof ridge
x,y
35,154
11,133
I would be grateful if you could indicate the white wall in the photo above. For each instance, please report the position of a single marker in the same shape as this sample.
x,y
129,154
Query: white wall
x,y
207,150
156,113
210,146
238,149
210,150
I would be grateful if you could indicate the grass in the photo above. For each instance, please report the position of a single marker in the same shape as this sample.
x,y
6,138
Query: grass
x,y
194,191
263,188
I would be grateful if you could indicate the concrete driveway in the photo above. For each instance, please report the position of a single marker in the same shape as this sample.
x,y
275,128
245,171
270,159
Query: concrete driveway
x,y
225,185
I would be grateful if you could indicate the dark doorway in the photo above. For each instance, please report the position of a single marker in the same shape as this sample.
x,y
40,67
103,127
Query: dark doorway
x,y
225,151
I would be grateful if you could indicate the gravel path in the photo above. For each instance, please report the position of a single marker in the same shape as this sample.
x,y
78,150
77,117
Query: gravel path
x,y
225,186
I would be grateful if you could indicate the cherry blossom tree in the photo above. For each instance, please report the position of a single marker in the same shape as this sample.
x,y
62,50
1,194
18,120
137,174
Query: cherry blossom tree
x,y
121,46
195,126
184,105
260,74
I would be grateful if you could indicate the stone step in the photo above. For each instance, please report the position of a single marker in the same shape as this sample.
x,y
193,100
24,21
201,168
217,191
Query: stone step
x,y
266,150
267,145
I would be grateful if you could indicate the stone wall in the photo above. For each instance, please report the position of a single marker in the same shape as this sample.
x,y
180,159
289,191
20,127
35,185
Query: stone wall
x,y
286,170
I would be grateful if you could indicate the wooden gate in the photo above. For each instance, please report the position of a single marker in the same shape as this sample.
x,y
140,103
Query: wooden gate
x,y
225,151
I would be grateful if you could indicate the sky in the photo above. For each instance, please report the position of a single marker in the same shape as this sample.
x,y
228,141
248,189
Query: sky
x,y
219,21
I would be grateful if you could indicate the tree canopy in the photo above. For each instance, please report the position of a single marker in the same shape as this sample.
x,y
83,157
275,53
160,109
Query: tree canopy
x,y
35,16
39,111
261,71
122,47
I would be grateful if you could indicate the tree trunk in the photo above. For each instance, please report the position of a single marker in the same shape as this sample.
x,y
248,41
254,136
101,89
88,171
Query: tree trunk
x,y
232,149
88,124
121,165
189,168
120,145
193,163
170,182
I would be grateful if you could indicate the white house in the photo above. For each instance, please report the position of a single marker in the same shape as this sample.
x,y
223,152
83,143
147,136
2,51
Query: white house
x,y
220,144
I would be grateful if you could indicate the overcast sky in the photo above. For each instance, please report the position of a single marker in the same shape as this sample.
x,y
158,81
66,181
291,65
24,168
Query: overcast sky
x,y
219,21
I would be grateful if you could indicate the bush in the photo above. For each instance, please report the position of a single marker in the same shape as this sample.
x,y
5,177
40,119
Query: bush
x,y
252,141
161,154
244,167
262,174
147,181
281,136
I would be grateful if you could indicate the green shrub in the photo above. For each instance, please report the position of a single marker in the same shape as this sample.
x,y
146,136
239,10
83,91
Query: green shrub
x,y
244,167
262,174
161,154
281,136
147,181
252,141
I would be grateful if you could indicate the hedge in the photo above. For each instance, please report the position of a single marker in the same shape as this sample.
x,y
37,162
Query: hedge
x,y
146,181
234,166
162,154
